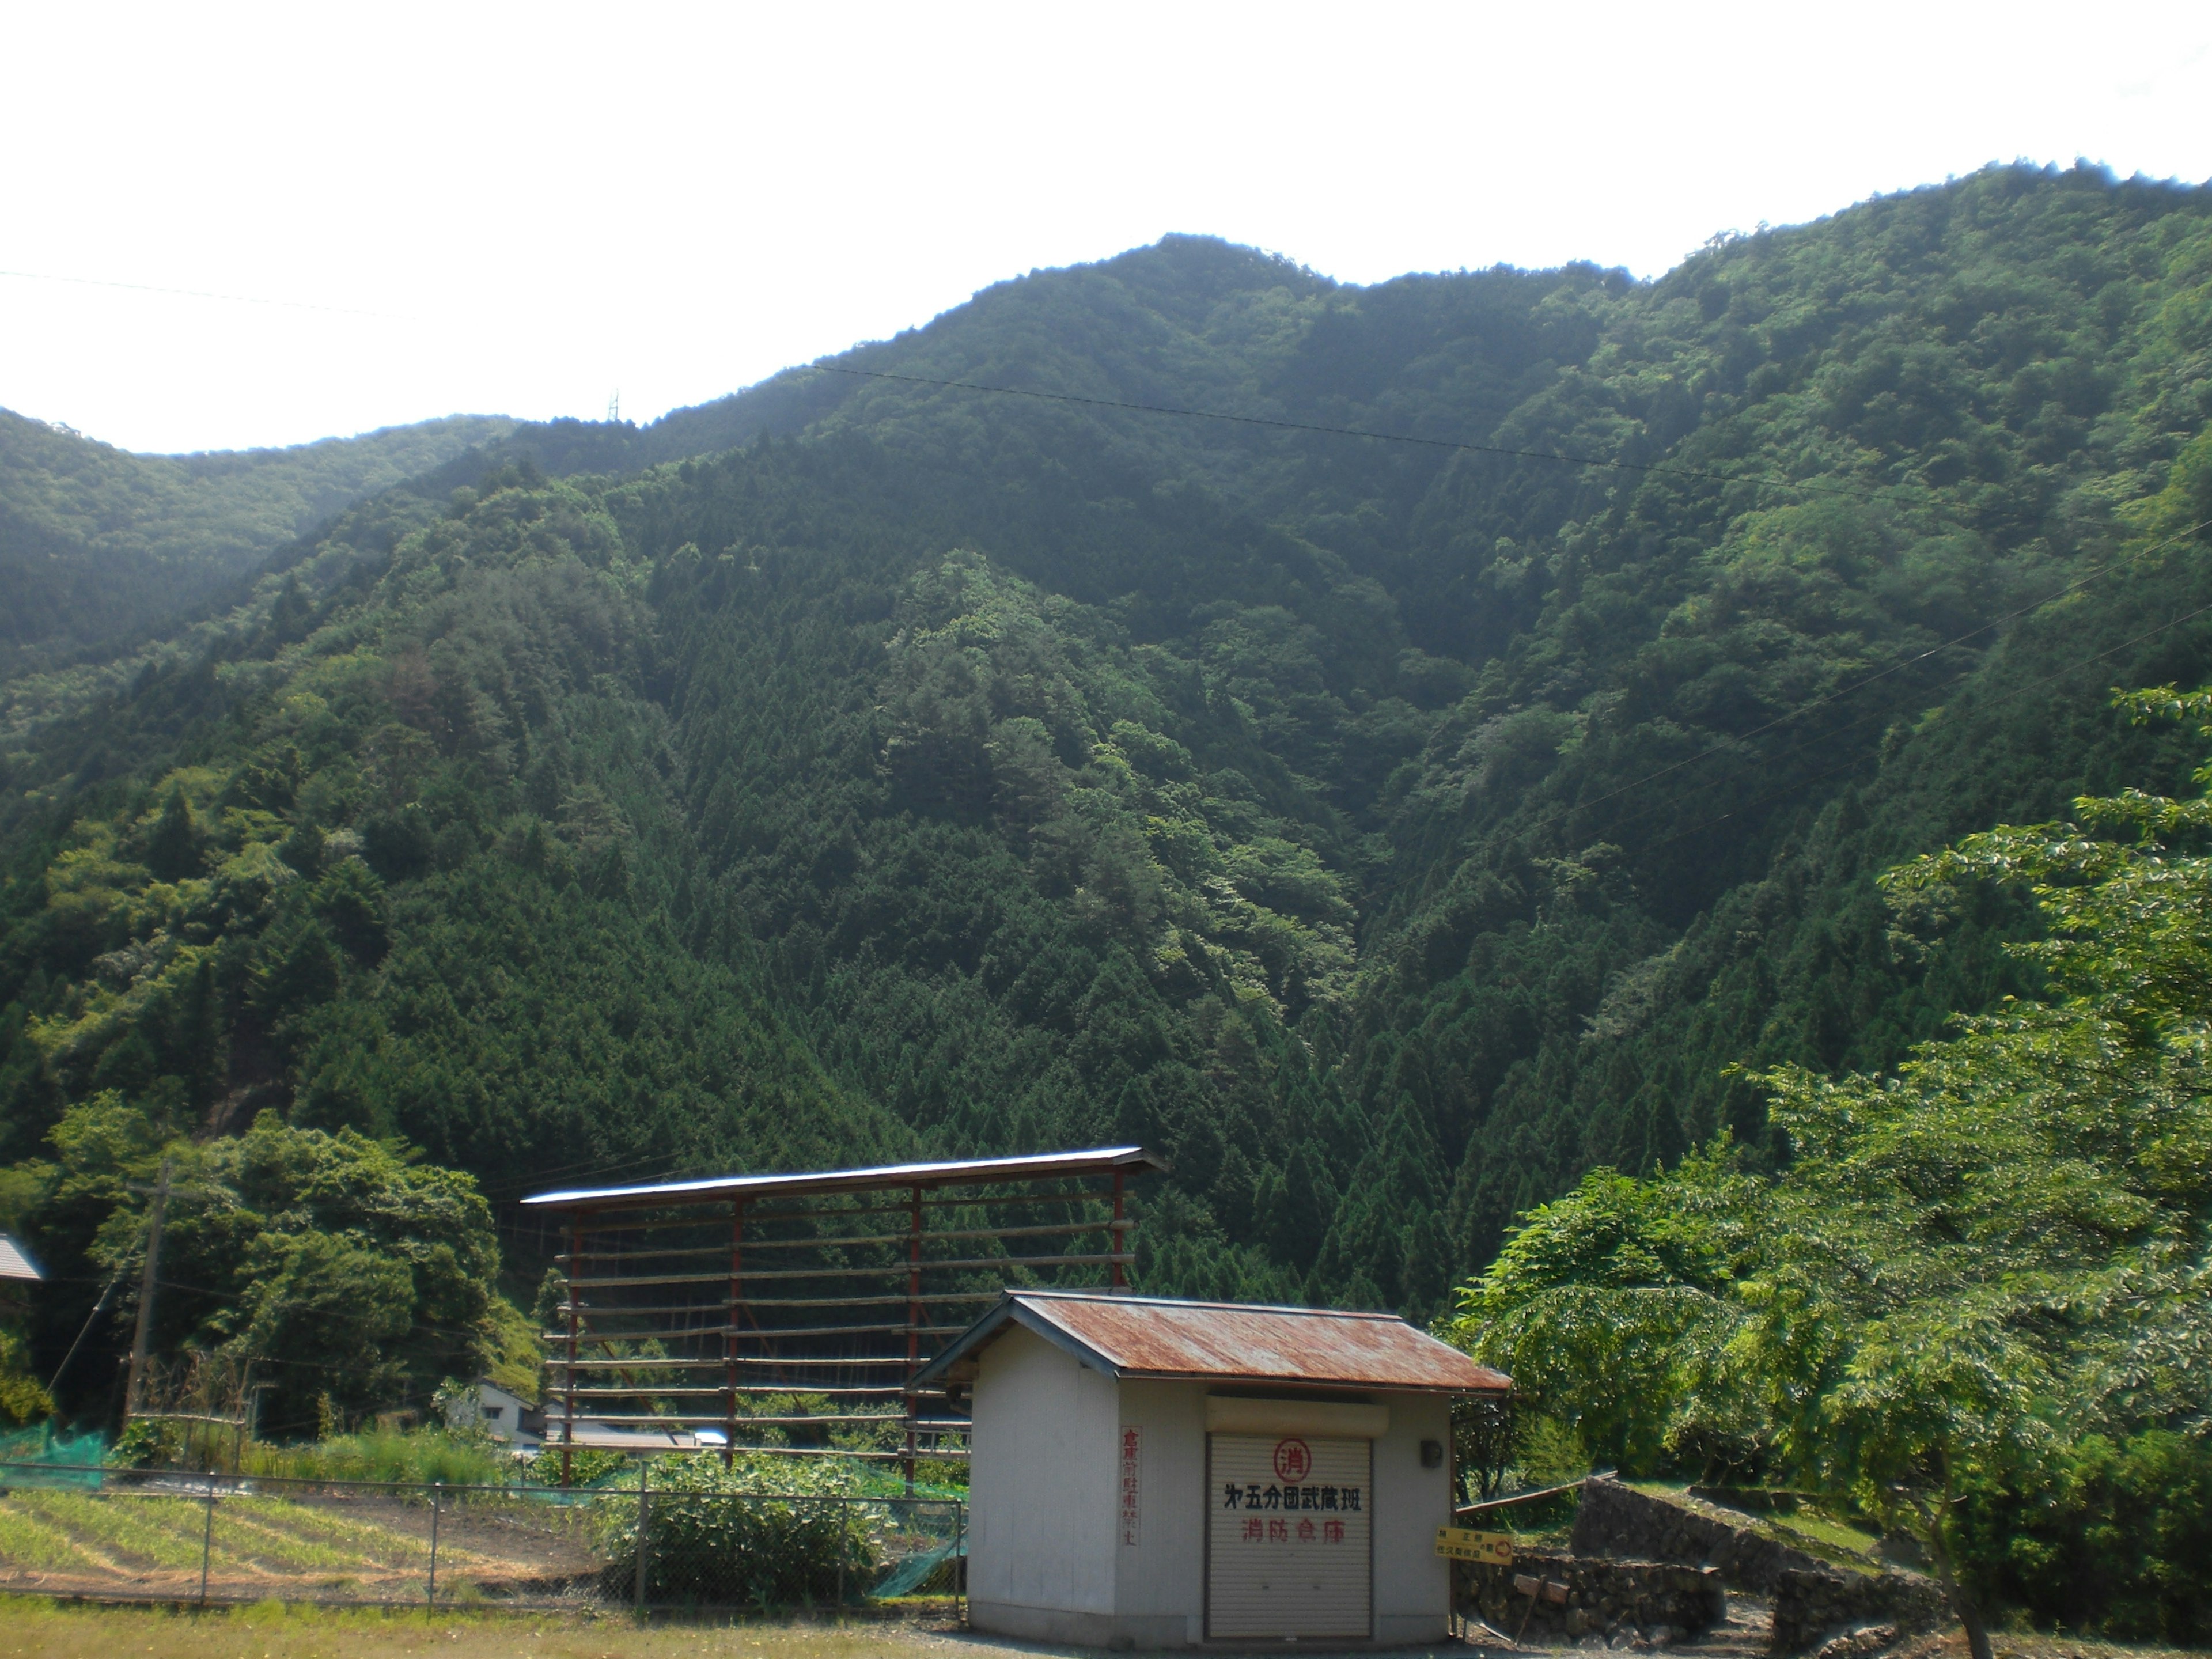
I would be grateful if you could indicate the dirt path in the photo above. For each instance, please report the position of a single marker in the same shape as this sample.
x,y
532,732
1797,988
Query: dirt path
x,y
38,1629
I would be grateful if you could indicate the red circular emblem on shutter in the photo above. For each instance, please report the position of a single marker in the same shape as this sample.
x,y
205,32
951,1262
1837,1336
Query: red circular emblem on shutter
x,y
1293,1459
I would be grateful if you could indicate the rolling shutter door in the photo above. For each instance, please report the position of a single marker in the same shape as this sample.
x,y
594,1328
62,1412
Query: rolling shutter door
x,y
1288,1536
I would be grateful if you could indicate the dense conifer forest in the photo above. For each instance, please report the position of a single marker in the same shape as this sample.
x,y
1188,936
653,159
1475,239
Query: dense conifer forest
x,y
1390,830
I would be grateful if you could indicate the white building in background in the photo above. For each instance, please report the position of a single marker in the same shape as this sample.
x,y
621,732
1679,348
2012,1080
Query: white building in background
x,y
506,1417
1159,1474
18,1272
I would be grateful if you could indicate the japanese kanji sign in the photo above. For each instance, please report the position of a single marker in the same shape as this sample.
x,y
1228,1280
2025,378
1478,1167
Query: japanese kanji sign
x,y
1288,1536
1132,1445
1464,1544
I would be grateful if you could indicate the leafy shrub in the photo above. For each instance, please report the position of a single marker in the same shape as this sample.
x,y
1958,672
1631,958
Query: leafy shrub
x,y
2112,1538
408,1456
727,1536
587,1467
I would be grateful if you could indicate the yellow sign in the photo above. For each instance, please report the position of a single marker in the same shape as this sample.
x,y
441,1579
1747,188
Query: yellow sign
x,y
1463,1544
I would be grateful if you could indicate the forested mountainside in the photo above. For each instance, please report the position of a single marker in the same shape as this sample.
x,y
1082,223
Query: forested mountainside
x,y
97,543
1387,832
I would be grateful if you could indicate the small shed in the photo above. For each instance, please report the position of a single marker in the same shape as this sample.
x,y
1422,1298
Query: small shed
x,y
1155,1473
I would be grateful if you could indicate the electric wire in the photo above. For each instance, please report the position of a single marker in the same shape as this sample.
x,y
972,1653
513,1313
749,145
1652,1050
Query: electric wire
x,y
1858,760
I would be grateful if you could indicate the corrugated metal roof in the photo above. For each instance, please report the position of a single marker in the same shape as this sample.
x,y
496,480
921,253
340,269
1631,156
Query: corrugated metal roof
x,y
14,1263
1103,1160
1140,1336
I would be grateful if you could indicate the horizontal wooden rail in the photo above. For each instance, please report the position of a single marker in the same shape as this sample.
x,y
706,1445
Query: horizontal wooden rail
x,y
717,1361
942,1454
713,1210
901,1239
717,1391
689,1421
758,1208
591,1336
885,1299
928,1265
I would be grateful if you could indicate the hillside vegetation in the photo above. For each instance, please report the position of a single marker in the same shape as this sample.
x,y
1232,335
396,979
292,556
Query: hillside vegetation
x,y
1387,832
97,543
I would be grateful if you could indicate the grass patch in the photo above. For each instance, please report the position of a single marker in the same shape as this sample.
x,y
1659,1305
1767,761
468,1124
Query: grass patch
x,y
31,1627
413,1456
159,1532
345,1540
1821,1536
26,1541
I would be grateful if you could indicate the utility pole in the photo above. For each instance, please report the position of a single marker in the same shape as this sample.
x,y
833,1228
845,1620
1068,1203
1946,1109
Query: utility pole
x,y
134,1395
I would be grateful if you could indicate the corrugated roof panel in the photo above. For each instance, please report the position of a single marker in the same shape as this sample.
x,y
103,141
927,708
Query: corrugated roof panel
x,y
1103,1160
1227,1341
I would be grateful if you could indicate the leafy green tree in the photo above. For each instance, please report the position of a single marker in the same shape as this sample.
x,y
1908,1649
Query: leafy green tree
x,y
1964,1266
320,1264
172,846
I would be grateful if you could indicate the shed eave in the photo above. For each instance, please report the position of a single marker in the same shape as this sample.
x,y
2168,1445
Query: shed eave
x,y
1031,1309
1347,1385
989,1329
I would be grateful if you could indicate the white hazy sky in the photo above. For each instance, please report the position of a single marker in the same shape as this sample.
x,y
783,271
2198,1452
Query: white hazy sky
x,y
540,205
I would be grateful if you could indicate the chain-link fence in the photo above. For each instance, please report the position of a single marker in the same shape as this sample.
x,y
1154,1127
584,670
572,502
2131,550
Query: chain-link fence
x,y
128,1534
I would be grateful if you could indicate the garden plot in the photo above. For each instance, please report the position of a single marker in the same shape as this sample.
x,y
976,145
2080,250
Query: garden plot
x,y
357,1547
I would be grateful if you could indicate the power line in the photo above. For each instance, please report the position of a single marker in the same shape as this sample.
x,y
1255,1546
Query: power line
x,y
1663,469
1845,765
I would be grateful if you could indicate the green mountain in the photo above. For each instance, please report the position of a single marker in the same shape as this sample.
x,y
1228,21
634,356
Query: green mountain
x,y
1388,829
98,544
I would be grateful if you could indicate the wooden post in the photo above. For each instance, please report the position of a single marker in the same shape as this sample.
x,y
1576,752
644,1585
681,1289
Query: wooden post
x,y
568,1396
437,1506
913,1327
134,1399
644,1530
1114,1235
730,1334
207,1538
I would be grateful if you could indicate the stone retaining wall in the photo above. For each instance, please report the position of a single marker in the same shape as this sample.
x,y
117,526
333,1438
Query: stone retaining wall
x,y
1613,1519
1812,1600
1628,1602
1810,1607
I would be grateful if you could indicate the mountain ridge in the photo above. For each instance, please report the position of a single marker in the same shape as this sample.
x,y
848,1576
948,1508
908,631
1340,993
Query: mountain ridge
x,y
1387,833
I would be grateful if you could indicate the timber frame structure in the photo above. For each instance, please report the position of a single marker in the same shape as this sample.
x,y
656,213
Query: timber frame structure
x,y
749,1302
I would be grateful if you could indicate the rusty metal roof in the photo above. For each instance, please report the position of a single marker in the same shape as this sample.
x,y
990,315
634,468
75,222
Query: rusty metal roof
x,y
1157,1337
1102,1160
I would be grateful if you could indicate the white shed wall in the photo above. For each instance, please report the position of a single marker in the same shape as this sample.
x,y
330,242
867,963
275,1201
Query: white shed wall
x,y
1413,1583
1045,1556
1161,1598
1043,1475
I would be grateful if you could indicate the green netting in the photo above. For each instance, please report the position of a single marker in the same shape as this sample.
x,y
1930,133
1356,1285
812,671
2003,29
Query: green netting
x,y
40,1457
916,1571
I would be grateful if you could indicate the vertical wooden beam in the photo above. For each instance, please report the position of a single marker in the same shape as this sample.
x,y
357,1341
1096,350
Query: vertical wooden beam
x,y
568,1393
913,1325
730,1333
1116,1235
134,1392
